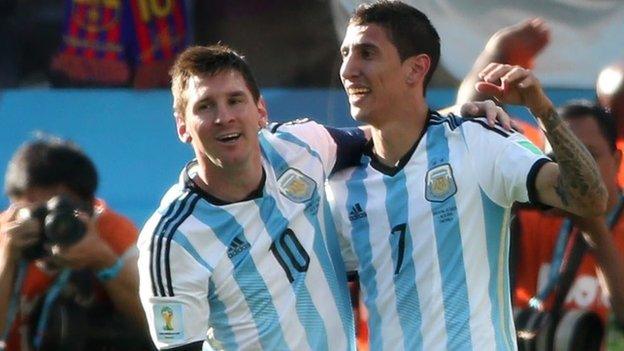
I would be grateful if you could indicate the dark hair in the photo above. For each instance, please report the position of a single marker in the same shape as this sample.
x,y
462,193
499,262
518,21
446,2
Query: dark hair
x,y
47,162
408,29
207,60
585,108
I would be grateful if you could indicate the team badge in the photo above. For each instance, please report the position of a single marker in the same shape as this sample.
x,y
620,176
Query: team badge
x,y
296,186
168,321
440,183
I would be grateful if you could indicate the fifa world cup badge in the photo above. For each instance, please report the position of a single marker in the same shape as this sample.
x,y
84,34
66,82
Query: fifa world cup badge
x,y
169,319
440,183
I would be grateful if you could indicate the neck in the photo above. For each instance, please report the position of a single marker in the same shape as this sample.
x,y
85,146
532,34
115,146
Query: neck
x,y
398,133
230,184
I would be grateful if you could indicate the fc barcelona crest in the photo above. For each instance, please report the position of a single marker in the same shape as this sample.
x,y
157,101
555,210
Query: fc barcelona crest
x,y
440,183
296,186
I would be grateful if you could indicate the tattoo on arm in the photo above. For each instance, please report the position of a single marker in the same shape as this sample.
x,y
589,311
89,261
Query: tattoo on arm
x,y
579,185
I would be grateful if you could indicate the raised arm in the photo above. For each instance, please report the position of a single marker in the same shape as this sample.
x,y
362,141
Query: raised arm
x,y
573,183
518,44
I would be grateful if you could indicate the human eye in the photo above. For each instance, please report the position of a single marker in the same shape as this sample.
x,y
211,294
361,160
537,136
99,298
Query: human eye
x,y
344,52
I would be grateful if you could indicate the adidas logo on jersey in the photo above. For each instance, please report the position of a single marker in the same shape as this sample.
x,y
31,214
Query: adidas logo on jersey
x,y
356,212
237,246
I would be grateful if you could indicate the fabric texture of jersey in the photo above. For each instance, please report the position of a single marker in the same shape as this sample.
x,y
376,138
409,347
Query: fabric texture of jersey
x,y
258,274
116,230
535,251
430,237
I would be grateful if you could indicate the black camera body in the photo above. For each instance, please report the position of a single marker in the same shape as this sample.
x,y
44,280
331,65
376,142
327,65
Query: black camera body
x,y
58,225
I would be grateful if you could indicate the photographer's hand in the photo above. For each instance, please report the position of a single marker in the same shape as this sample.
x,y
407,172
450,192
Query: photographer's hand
x,y
94,253
15,234
91,252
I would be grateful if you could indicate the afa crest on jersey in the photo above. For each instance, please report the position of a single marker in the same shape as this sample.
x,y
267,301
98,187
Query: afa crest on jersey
x,y
440,183
296,186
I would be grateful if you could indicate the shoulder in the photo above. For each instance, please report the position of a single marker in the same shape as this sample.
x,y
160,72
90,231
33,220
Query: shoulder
x,y
116,229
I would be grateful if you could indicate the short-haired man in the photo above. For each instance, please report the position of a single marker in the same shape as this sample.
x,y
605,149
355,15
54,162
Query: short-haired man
x,y
425,216
239,246
38,171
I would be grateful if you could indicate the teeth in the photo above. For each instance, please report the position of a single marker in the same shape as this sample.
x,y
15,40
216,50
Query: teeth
x,y
230,136
358,90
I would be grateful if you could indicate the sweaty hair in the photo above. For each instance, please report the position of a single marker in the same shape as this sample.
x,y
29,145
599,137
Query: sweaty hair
x,y
585,108
207,61
48,162
408,29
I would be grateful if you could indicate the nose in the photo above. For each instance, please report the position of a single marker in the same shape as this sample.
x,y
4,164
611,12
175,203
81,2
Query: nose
x,y
348,68
224,116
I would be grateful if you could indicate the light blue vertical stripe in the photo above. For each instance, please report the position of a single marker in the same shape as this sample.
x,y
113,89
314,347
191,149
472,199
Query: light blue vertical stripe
x,y
406,291
219,320
306,310
250,282
493,219
450,253
309,317
360,235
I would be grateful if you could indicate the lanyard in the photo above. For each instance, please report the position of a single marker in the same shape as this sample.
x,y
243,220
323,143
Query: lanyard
x,y
14,301
50,297
556,266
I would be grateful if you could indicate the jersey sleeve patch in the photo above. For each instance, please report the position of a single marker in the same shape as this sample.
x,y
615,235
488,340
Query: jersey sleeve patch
x,y
168,321
529,146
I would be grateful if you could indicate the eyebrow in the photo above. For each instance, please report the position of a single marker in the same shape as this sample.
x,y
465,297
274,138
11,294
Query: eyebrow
x,y
360,46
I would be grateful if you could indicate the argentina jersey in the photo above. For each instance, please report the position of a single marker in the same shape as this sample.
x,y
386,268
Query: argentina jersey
x,y
259,274
430,239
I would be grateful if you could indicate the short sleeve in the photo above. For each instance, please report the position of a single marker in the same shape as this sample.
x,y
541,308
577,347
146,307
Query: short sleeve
x,y
506,162
177,310
337,148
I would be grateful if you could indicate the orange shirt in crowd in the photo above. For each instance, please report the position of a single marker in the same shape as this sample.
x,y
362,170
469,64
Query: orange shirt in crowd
x,y
537,242
116,230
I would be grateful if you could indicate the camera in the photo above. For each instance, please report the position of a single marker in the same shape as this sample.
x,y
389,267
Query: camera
x,y
58,225
572,330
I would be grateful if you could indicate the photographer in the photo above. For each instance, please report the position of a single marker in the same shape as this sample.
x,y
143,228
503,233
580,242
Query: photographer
x,y
39,263
598,286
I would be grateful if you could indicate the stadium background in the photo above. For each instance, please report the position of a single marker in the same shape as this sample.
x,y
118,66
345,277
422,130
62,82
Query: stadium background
x,y
293,47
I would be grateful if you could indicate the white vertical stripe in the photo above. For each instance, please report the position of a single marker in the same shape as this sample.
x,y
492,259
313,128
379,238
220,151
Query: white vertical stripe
x,y
381,253
474,246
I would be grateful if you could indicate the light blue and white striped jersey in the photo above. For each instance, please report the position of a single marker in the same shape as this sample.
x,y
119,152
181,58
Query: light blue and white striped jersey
x,y
429,238
252,275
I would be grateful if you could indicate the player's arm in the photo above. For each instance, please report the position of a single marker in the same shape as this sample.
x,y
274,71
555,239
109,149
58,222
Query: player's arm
x,y
118,274
573,183
173,289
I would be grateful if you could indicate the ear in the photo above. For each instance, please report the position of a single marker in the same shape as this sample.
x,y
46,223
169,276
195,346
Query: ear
x,y
183,134
416,68
263,119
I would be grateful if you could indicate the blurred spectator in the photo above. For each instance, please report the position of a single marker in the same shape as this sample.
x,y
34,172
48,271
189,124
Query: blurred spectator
x,y
67,279
610,93
30,32
599,283
120,43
